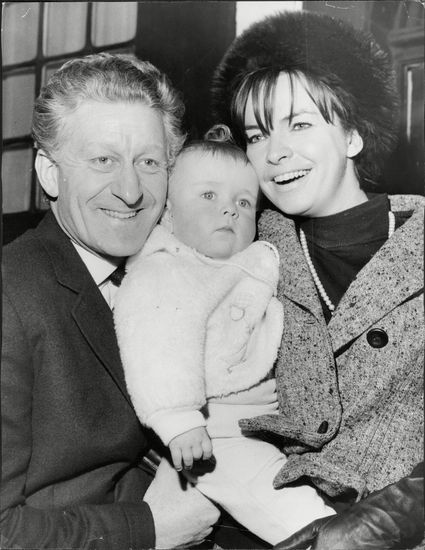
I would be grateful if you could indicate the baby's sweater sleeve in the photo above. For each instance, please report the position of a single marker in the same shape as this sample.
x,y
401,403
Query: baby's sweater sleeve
x,y
160,318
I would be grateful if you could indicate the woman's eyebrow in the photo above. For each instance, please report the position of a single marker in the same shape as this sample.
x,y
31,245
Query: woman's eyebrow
x,y
300,112
288,117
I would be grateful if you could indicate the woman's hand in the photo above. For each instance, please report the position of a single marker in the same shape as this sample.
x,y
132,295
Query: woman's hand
x,y
192,445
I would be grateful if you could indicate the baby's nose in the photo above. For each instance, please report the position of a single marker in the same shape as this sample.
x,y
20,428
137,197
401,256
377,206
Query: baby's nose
x,y
230,210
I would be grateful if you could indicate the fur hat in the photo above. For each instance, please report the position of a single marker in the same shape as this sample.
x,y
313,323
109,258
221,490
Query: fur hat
x,y
328,50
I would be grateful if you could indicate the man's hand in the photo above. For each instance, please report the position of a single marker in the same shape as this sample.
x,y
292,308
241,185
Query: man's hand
x,y
392,517
182,516
189,446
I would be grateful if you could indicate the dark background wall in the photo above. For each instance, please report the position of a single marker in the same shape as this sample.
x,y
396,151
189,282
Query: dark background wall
x,y
187,40
398,26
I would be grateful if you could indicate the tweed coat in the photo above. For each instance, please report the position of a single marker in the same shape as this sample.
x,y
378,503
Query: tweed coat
x,y
71,441
351,415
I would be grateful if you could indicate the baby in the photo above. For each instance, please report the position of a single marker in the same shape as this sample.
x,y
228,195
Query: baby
x,y
199,327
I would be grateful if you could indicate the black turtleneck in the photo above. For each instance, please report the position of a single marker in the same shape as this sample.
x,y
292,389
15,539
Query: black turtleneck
x,y
340,245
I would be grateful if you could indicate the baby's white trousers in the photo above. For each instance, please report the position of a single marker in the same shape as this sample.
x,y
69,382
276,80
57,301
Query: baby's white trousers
x,y
242,483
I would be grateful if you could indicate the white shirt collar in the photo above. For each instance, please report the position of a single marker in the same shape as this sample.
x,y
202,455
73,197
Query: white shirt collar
x,y
100,268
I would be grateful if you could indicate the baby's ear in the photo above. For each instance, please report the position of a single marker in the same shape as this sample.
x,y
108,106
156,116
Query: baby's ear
x,y
167,217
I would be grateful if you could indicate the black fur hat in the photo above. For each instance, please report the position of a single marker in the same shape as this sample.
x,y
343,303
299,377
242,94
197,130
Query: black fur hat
x,y
329,50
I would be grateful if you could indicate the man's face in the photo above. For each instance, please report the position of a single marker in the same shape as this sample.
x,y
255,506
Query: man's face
x,y
212,203
111,176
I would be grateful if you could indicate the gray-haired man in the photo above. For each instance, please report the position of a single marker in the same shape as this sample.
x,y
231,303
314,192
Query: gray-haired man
x,y
106,128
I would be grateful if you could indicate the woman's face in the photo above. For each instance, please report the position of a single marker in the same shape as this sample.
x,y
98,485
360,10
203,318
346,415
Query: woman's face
x,y
305,164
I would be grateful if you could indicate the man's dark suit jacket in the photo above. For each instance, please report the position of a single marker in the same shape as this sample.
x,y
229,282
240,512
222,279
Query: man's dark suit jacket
x,y
71,440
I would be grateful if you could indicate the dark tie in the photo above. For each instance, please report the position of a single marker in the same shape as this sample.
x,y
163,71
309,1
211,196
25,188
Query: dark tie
x,y
117,276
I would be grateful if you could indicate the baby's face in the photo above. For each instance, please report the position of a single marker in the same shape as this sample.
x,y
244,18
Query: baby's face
x,y
212,202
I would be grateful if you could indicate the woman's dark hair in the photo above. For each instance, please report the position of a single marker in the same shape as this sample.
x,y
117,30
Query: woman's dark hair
x,y
343,70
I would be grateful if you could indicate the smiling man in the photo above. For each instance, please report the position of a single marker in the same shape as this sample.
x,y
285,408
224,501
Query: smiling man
x,y
107,128
110,179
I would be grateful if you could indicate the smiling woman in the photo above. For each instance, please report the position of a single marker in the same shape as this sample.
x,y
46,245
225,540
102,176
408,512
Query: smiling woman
x,y
313,102
305,164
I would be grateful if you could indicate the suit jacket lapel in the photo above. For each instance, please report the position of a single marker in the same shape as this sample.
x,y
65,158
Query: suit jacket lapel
x,y
94,318
90,311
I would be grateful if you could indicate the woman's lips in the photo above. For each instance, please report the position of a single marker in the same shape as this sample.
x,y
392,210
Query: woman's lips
x,y
288,177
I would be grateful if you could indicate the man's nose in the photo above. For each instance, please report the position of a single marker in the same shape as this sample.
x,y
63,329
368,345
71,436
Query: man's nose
x,y
128,186
278,147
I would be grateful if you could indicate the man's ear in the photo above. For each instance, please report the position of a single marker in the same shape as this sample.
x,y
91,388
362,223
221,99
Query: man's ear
x,y
167,217
48,174
355,144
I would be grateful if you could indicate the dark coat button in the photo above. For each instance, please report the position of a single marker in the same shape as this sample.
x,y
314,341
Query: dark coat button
x,y
323,428
377,338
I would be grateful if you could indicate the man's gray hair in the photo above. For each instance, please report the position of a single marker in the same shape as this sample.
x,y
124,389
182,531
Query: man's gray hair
x,y
105,77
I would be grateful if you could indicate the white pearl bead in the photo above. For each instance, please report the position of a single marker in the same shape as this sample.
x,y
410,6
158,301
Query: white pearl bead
x,y
317,281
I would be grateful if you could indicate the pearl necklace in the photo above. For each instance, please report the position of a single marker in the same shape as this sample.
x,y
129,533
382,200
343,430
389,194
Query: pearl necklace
x,y
317,281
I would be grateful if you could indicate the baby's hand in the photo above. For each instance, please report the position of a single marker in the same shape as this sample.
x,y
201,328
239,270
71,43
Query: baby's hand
x,y
189,446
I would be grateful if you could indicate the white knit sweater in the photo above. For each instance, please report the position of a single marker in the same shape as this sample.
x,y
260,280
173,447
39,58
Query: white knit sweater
x,y
191,327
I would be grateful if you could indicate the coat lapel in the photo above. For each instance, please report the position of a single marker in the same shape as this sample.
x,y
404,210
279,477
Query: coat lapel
x,y
296,282
90,310
397,267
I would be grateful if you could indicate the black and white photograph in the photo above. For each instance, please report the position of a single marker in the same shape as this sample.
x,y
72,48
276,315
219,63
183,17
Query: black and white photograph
x,y
212,275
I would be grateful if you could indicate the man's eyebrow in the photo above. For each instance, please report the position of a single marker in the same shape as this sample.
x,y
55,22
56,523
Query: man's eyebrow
x,y
99,145
155,146
149,147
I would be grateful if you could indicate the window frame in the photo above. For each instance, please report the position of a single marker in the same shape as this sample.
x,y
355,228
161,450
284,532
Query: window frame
x,y
37,64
